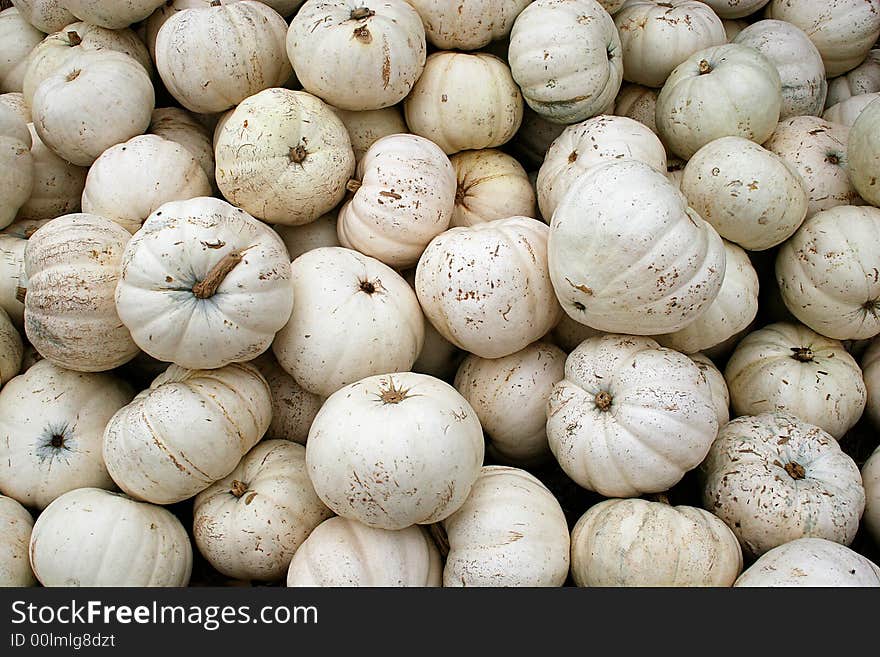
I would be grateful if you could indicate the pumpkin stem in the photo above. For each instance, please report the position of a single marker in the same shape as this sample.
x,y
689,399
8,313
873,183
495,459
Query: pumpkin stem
x,y
441,539
297,154
370,287
393,394
353,185
207,288
802,354
215,3
603,401
238,488
73,75
705,67
74,38
795,470
361,13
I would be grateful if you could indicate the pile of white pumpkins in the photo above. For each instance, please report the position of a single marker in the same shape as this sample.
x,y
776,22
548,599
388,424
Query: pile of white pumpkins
x,y
426,292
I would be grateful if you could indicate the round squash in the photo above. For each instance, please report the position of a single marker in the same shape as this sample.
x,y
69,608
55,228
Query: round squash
x,y
14,100
110,14
735,8
178,125
17,39
17,182
491,185
369,126
58,184
16,524
717,385
863,151
11,349
871,481
469,26
863,79
293,408
13,281
313,235
847,111
638,103
46,15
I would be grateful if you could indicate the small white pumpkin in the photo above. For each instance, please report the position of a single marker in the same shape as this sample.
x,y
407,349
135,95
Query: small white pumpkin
x,y
863,79
313,235
630,416
847,111
863,152
48,16
293,408
774,478
353,317
469,26
464,101
16,524
14,100
566,57
17,39
735,8
486,288
638,103
249,524
439,357
367,127
345,553
717,385
811,562
568,334
51,425
13,281
509,396
871,481
395,450
178,125
491,185
357,55
58,184
11,349
510,531
828,272
16,160
533,138
732,27
92,537
642,543
204,284
110,14
189,429
870,364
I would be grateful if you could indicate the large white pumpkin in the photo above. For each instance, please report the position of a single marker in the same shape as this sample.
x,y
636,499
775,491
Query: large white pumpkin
x,y
51,426
469,25
630,416
16,524
871,481
313,235
395,450
847,111
626,254
491,185
17,39
189,429
863,151
369,126
293,408
178,125
717,385
11,349
729,9
12,278
92,537
110,14
774,478
46,15
58,184
17,182
643,543
204,284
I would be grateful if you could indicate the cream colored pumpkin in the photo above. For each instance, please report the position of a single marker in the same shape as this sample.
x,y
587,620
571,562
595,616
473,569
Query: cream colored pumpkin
x,y
367,127
788,367
58,184
799,64
213,57
750,195
17,39
345,553
863,152
11,349
249,524
405,198
353,317
179,126
16,524
204,284
626,254
13,281
72,265
585,145
568,334
735,8
14,100
842,30
509,396
566,57
731,312
811,562
189,429
717,385
16,160
152,25
486,288
48,16
471,25
658,36
51,426
439,357
870,364
774,478
533,138
464,101
638,103
847,111
395,450
293,408
732,27
111,14
510,531
91,537
643,543
491,185
313,235
826,272
871,481
357,55
818,150
94,100
728,90
863,79
630,417
283,156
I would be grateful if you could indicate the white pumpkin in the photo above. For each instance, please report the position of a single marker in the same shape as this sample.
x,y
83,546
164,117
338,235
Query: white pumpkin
x,y
16,524
469,26
863,79
17,39
92,537
731,312
797,60
249,524
395,450
847,111
151,26
14,100
828,272
439,357
870,364
626,253
357,55
293,408
735,8
367,127
491,185
204,284
568,334
313,235
630,416
510,531
774,478
51,425
17,182
189,429
566,57
405,196
178,125
643,543
750,195
811,562
658,36
509,396
11,349
638,103
283,156
585,145
717,385
871,481
345,553
533,138
863,152
728,90
818,150
58,184
464,101
213,57
94,100
109,13
732,27
842,30
13,281
486,288
353,317
48,16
